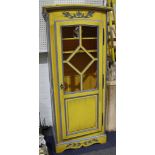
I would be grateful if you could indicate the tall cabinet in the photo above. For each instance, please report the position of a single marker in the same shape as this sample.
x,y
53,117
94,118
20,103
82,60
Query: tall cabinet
x,y
77,64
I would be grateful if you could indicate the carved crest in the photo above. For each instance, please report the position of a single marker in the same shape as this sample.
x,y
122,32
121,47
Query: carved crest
x,y
80,144
78,14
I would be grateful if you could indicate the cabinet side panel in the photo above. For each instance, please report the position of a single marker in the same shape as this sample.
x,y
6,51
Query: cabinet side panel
x,y
104,65
54,78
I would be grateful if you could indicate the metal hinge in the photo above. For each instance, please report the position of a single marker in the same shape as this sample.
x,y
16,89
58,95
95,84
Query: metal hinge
x,y
103,36
102,119
103,80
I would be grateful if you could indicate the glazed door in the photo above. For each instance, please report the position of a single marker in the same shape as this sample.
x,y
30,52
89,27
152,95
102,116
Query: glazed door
x,y
79,53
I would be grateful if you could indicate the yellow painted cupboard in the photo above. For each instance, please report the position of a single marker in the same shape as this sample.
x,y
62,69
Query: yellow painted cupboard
x,y
77,37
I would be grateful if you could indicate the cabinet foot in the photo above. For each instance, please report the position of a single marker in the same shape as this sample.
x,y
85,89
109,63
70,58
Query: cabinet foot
x,y
83,142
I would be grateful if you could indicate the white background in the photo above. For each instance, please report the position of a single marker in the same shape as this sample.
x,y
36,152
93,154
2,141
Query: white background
x,y
19,78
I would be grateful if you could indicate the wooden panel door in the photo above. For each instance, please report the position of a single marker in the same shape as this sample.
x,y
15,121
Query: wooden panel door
x,y
79,53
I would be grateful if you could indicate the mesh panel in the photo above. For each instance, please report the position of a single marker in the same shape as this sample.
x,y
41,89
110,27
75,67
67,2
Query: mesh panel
x,y
69,1
95,2
42,24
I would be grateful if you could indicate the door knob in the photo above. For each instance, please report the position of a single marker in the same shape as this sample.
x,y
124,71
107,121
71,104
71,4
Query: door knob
x,y
62,86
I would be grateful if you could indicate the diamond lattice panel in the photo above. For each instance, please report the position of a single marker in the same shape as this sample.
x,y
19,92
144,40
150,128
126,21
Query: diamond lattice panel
x,y
42,30
85,60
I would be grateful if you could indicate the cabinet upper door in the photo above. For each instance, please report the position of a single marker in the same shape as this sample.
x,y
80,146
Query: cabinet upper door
x,y
79,50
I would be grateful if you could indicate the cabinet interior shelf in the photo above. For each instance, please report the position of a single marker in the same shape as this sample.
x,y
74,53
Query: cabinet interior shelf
x,y
80,51
87,38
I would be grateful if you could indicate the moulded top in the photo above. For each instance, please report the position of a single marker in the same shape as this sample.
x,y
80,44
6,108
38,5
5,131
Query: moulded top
x,y
51,8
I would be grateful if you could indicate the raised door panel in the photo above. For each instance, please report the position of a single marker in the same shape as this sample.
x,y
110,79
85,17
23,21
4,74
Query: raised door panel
x,y
81,114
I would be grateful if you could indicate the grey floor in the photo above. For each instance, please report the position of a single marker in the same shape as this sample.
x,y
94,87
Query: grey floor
x,y
108,151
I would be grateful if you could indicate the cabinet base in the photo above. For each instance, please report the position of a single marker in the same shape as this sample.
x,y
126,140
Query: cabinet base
x,y
74,144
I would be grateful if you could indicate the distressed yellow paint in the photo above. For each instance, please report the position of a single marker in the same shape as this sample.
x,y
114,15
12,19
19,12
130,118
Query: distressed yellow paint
x,y
79,116
82,143
99,100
